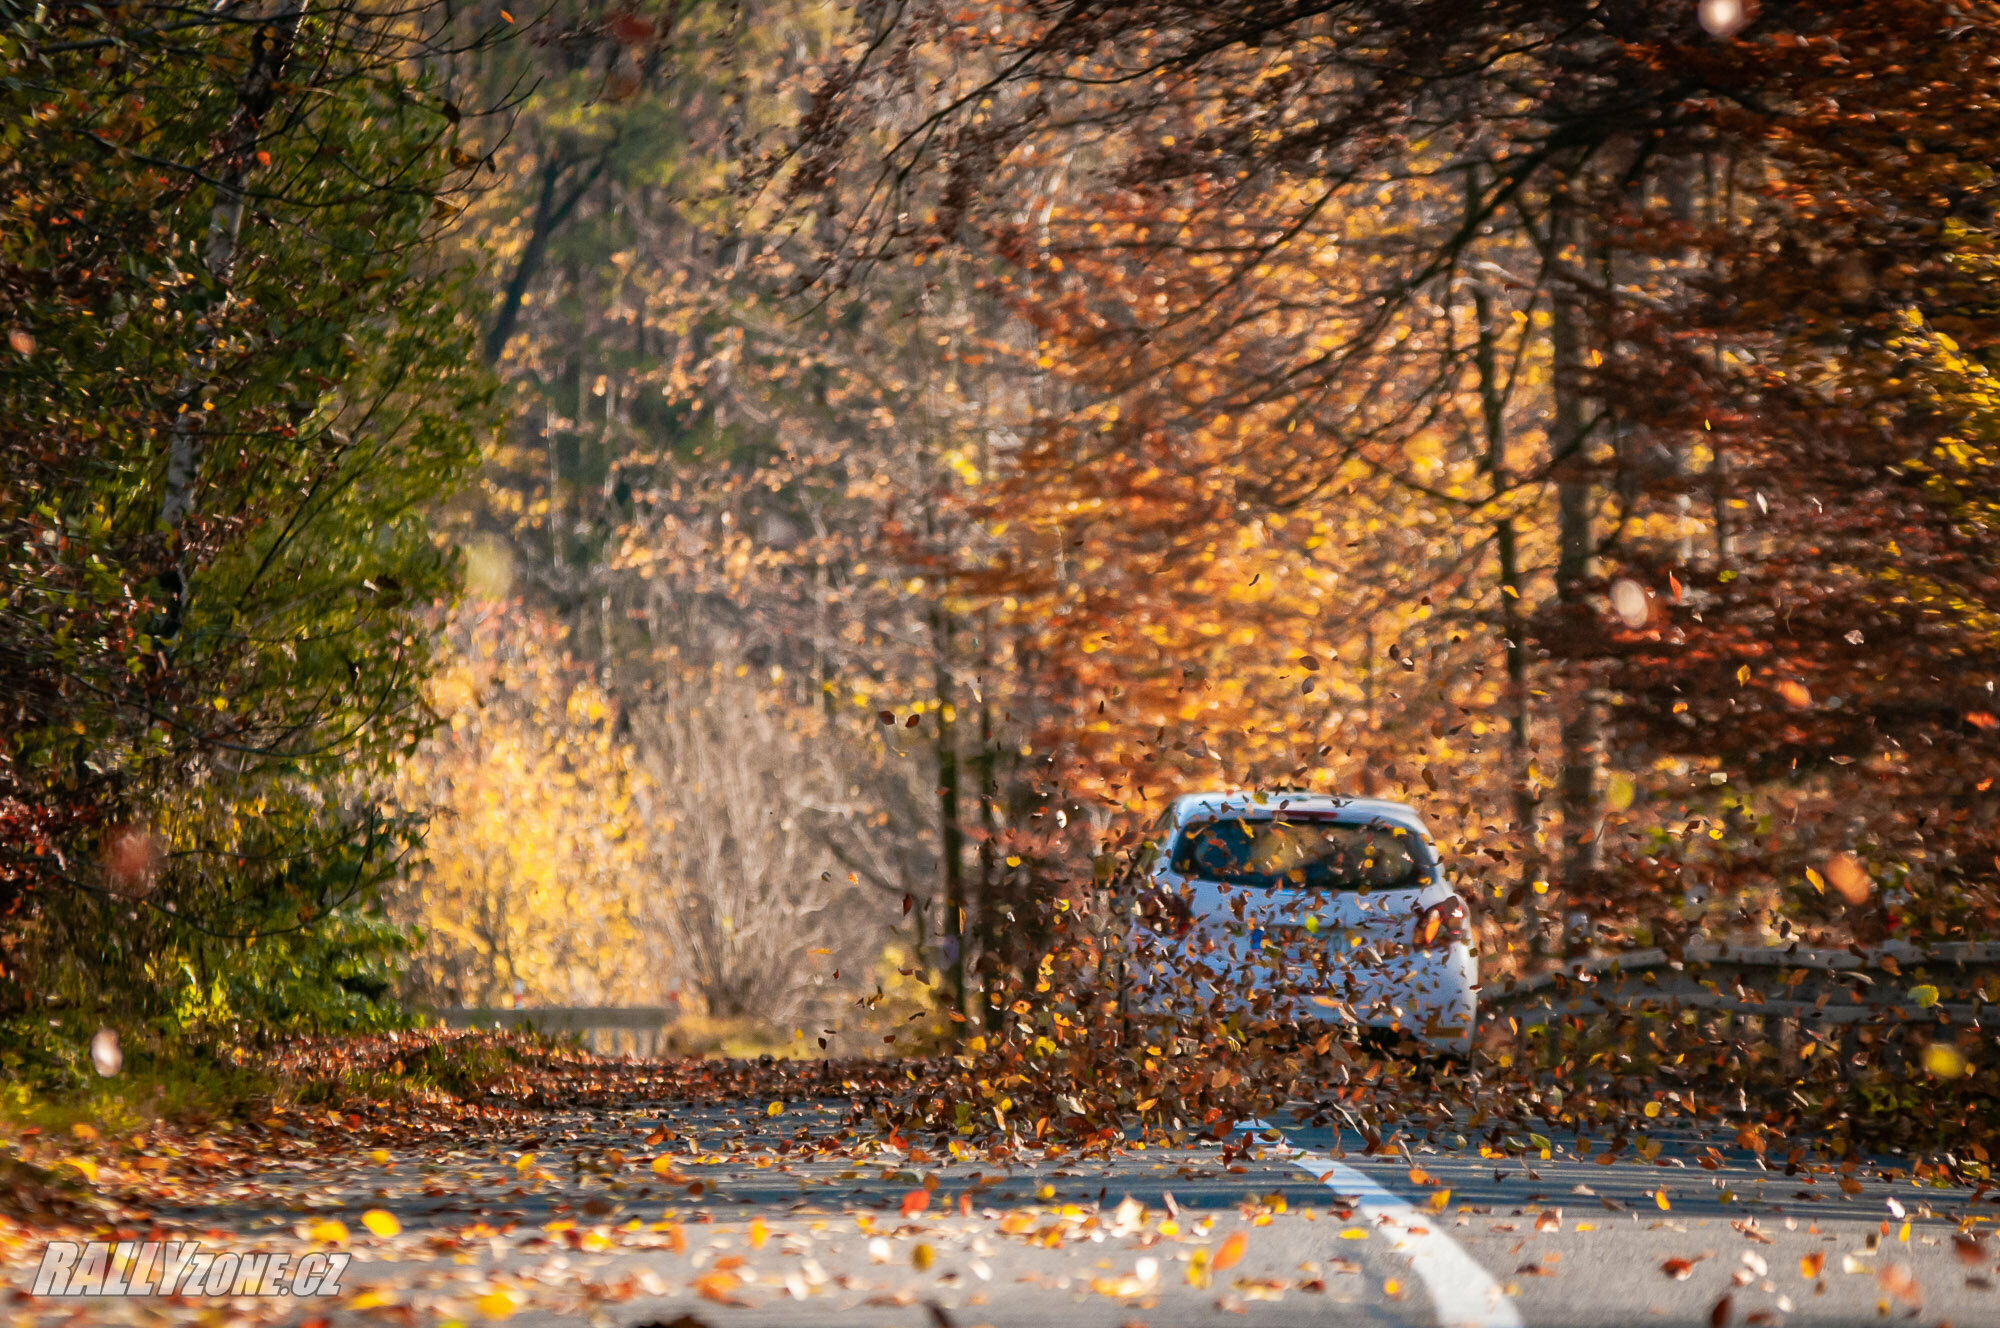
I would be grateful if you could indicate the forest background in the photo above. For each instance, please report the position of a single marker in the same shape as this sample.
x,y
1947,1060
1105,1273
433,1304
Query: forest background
x,y
759,505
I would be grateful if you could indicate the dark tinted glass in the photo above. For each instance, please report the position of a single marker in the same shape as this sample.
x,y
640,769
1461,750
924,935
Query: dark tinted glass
x,y
1263,852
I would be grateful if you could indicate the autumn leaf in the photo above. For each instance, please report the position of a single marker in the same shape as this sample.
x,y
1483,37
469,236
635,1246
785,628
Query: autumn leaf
x,y
915,1201
1897,1281
1944,1060
1231,1252
381,1222
1849,878
500,1303
719,1287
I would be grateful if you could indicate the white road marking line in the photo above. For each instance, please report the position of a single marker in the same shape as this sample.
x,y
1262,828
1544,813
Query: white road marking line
x,y
1463,1293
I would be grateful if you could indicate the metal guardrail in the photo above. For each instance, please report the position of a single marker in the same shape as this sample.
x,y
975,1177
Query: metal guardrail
x,y
606,1030
1791,985
1953,984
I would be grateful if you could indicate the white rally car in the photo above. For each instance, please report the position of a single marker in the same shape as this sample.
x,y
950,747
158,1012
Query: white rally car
x,y
1307,907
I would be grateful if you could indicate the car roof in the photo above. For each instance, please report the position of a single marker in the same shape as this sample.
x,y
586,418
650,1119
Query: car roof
x,y
1361,811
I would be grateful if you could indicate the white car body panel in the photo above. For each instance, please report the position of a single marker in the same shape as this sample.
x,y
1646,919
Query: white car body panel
x,y
1330,956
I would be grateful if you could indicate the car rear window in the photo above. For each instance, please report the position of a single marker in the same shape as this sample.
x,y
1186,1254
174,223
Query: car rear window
x,y
1301,854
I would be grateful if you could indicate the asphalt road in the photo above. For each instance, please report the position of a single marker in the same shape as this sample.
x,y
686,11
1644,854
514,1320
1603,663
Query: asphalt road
x,y
578,1224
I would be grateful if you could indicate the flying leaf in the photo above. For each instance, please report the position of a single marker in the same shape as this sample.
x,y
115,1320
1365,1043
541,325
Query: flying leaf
x,y
1849,878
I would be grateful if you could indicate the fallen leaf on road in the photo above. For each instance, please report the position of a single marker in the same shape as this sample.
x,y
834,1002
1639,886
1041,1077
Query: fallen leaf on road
x,y
719,1287
381,1222
916,1201
499,1303
1678,1269
1231,1252
1718,1314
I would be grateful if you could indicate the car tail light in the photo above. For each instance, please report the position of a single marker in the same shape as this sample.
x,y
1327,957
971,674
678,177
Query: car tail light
x,y
1442,924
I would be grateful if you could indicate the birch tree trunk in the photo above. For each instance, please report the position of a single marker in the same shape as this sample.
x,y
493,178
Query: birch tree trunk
x,y
271,48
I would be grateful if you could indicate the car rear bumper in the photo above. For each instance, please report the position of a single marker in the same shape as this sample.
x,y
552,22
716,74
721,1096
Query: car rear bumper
x,y
1431,996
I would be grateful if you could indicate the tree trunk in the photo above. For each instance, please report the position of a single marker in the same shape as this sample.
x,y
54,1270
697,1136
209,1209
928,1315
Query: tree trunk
x,y
553,204
270,49
989,800
1513,627
952,834
1582,729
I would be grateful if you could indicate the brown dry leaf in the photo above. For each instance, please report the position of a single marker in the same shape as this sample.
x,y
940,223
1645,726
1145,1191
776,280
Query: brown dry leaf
x,y
1678,1269
1969,1249
1812,1265
1718,1314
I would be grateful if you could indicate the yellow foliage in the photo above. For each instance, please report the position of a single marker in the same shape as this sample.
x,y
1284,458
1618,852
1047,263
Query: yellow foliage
x,y
534,867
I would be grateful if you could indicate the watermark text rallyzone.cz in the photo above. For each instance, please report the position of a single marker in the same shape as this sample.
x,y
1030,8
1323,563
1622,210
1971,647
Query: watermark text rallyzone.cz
x,y
181,1268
